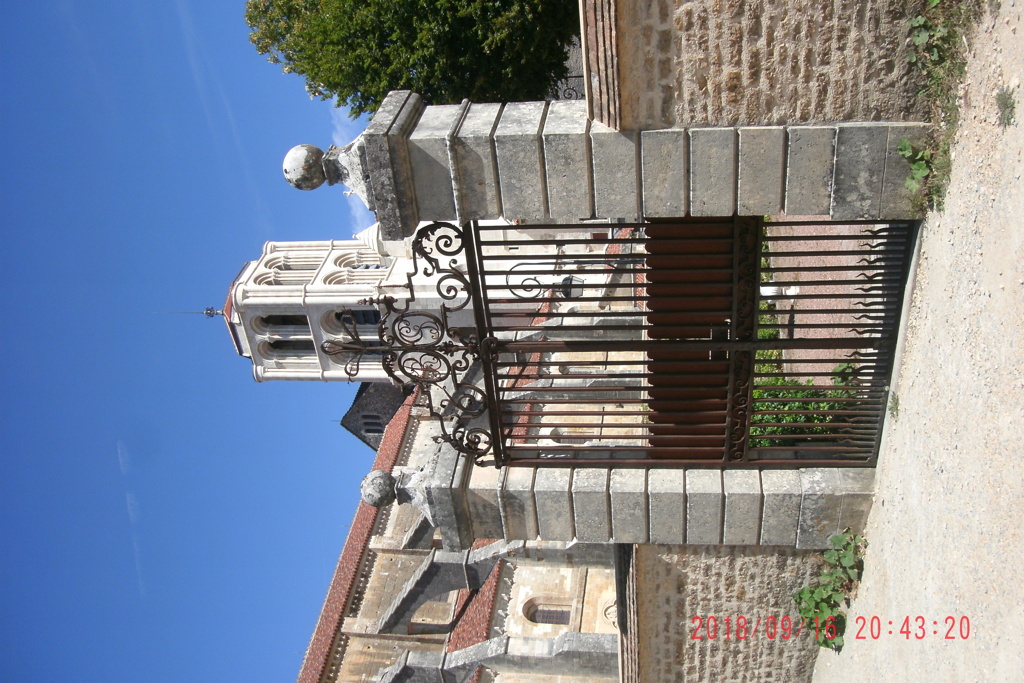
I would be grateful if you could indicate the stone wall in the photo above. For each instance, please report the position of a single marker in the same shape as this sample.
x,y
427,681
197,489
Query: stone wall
x,y
762,62
674,584
795,508
538,162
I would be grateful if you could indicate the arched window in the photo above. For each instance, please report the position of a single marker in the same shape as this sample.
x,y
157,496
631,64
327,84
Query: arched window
x,y
361,316
293,346
293,320
544,613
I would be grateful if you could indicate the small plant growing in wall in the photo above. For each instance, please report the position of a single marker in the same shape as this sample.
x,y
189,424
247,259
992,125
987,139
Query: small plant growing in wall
x,y
937,45
1007,107
920,164
821,605
894,407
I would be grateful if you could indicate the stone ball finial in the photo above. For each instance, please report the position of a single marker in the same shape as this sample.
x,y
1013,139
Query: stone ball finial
x,y
378,488
304,168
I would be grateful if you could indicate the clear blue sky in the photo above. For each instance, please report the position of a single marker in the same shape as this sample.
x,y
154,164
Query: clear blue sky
x,y
163,517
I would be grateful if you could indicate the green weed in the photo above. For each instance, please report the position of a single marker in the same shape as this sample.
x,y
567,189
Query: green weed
x,y
894,406
821,605
938,47
1007,106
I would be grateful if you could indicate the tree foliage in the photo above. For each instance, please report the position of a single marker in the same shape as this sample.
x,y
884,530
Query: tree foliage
x,y
446,50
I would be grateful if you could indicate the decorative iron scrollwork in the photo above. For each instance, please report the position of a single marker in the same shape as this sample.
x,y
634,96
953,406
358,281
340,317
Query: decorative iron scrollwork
x,y
422,348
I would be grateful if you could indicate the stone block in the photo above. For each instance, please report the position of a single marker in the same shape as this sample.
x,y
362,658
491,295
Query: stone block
x,y
428,154
629,505
781,516
518,512
704,501
517,146
860,166
476,164
857,487
445,496
713,171
810,165
591,504
553,498
664,170
387,160
615,173
896,198
566,160
743,501
762,172
820,505
666,494
482,500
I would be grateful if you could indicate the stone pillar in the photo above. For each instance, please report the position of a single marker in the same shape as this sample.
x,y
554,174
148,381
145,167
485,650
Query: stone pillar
x,y
538,162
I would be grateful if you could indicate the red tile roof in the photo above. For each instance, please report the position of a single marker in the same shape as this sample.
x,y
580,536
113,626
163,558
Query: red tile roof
x,y
318,655
474,623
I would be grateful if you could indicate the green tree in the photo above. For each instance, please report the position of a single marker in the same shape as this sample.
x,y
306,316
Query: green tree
x,y
446,50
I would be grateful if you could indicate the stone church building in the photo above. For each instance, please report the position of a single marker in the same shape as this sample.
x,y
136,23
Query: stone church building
x,y
625,360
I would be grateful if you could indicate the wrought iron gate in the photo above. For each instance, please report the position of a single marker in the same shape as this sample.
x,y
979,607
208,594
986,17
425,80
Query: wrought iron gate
x,y
691,342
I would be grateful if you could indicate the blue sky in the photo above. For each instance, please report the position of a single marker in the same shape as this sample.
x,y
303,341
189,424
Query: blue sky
x,y
163,517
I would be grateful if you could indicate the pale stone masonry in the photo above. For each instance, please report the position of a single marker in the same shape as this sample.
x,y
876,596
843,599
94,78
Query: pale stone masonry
x,y
538,162
678,588
800,507
677,63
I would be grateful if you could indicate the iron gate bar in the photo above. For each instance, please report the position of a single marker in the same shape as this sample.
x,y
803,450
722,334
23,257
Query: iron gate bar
x,y
591,375
716,286
489,354
827,238
887,224
870,310
702,345
866,282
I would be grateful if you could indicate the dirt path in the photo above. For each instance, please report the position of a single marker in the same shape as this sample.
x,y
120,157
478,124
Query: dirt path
x,y
946,526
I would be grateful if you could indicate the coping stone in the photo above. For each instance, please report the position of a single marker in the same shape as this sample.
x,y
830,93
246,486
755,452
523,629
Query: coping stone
x,y
704,499
743,501
482,499
860,166
781,516
762,172
629,505
857,487
810,165
476,164
566,154
446,497
591,504
428,154
664,170
712,171
666,494
517,145
615,172
387,160
518,513
551,491
896,198
820,506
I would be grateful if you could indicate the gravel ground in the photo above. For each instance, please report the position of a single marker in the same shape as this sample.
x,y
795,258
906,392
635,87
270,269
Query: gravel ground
x,y
946,526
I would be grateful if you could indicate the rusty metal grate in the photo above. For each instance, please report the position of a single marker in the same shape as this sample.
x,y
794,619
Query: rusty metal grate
x,y
711,342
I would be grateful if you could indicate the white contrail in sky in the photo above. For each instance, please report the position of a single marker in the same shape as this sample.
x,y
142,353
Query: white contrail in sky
x,y
124,461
